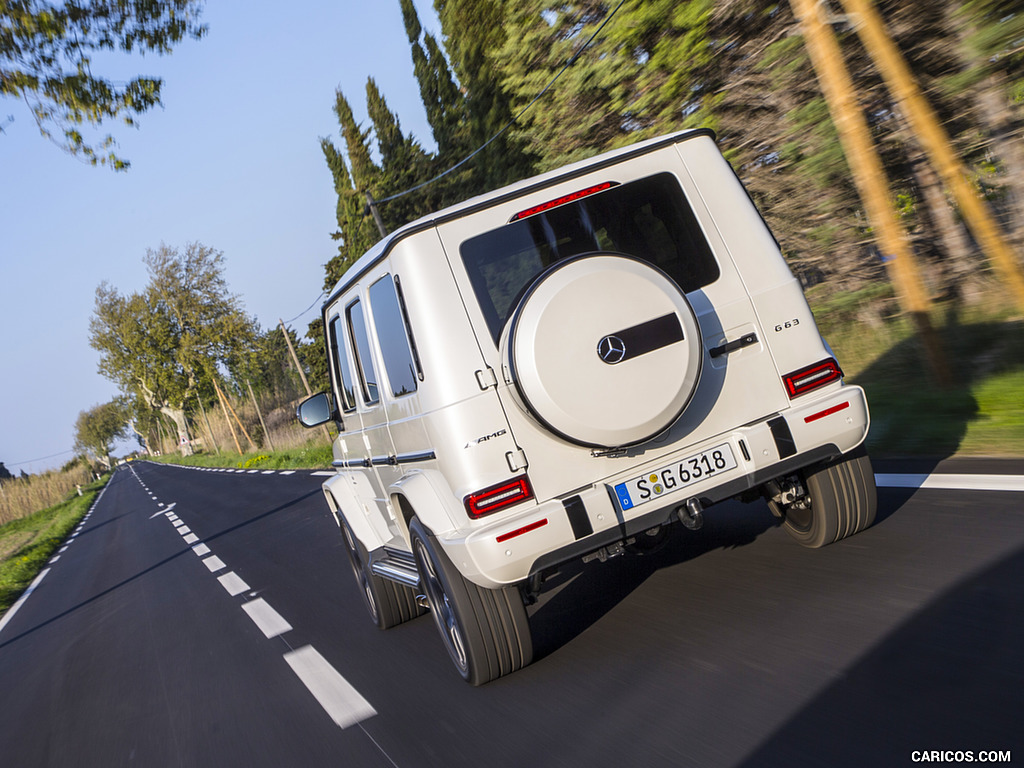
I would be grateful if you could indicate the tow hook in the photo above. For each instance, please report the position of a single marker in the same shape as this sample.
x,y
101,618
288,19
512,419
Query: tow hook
x,y
691,514
606,553
784,492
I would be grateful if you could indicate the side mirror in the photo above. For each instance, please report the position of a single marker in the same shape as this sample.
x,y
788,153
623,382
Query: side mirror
x,y
316,410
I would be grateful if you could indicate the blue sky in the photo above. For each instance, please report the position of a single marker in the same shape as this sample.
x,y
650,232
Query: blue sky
x,y
232,160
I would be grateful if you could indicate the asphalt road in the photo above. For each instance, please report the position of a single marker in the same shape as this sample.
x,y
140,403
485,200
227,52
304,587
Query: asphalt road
x,y
734,646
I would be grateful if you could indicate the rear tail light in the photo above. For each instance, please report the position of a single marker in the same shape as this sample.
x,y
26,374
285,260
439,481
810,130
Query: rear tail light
x,y
498,497
813,376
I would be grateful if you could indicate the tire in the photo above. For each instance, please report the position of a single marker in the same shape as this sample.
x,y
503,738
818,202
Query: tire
x,y
485,631
388,603
841,501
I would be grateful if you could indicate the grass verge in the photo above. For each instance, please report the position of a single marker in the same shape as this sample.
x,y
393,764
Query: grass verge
x,y
313,455
26,544
980,413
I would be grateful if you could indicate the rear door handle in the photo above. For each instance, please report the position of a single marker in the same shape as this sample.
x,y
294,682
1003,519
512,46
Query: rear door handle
x,y
732,346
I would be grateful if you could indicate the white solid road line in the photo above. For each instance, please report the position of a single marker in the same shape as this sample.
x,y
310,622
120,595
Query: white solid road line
x,y
953,482
266,618
345,705
25,596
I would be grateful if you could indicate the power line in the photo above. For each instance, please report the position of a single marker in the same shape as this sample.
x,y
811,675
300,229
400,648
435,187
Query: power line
x,y
322,293
510,123
41,458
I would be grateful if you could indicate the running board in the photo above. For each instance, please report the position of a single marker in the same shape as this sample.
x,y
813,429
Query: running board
x,y
398,566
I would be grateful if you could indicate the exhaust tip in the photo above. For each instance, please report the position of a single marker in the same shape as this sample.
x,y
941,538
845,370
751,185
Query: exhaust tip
x,y
691,514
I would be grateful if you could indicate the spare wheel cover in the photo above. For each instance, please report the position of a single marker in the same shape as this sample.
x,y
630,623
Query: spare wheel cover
x,y
604,350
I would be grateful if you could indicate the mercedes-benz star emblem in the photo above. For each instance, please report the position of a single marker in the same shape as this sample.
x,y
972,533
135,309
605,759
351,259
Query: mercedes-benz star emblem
x,y
611,349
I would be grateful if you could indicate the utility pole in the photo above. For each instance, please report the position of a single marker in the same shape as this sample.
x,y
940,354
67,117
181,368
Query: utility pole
x,y
929,131
302,375
295,358
209,429
237,420
266,432
869,176
371,206
231,427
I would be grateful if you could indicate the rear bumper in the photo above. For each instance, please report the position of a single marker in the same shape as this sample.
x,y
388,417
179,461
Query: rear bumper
x,y
817,428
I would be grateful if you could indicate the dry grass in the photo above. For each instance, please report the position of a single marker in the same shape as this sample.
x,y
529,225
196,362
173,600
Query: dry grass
x,y
23,496
218,444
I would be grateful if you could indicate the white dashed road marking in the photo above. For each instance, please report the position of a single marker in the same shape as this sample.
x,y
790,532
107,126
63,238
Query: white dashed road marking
x,y
233,583
214,563
266,618
345,705
342,702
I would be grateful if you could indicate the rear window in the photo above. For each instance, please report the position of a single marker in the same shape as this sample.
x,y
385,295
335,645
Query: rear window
x,y
649,219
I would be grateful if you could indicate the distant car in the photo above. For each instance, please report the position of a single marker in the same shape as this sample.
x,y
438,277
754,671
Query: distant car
x,y
561,369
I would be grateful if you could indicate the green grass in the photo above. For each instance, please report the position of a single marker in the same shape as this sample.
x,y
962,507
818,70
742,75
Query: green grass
x,y
313,455
28,543
980,413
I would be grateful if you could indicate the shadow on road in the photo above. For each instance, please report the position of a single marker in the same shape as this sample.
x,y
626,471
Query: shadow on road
x,y
580,594
155,566
950,678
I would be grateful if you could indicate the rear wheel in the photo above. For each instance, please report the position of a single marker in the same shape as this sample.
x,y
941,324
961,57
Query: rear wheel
x,y
840,501
485,631
388,603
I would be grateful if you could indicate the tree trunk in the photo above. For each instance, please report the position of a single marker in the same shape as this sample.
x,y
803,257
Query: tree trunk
x,y
177,415
143,440
962,262
990,95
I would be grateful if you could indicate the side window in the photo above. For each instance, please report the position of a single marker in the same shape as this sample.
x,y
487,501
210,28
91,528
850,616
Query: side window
x,y
392,333
361,345
342,367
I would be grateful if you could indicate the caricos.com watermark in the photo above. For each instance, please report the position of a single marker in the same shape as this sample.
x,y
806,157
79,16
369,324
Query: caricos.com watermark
x,y
959,756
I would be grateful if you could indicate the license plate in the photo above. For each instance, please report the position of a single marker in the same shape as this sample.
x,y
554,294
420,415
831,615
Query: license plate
x,y
672,478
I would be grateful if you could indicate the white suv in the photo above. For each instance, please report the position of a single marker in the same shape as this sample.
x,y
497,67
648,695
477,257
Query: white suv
x,y
561,369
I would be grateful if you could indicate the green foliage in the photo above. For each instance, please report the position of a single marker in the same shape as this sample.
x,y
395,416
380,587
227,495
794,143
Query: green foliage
x,y
736,66
159,345
98,428
46,52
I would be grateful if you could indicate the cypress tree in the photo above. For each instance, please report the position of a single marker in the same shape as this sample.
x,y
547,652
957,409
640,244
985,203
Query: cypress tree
x,y
473,31
441,98
403,163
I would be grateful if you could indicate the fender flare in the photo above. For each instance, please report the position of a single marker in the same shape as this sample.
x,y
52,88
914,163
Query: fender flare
x,y
344,503
426,493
